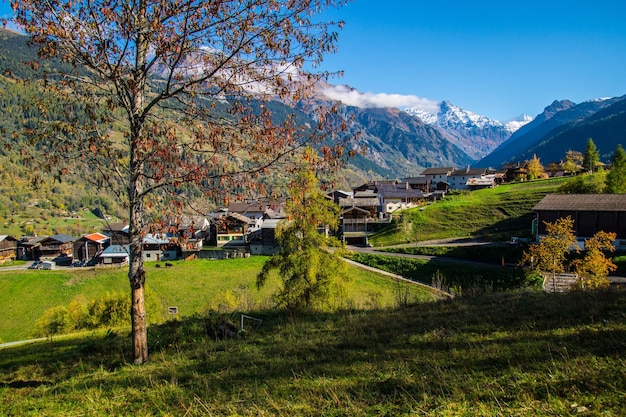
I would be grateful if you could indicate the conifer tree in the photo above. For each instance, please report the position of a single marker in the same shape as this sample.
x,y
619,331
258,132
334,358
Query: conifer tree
x,y
591,157
616,178
309,271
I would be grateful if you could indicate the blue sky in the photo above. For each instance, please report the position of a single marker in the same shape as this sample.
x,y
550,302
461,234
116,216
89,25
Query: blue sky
x,y
496,58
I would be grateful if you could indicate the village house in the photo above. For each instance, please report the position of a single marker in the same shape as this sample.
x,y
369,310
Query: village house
x,y
231,226
359,219
29,247
118,233
591,213
115,255
8,248
156,247
88,246
371,187
263,241
437,176
57,246
459,177
485,181
336,195
258,210
422,183
515,172
394,197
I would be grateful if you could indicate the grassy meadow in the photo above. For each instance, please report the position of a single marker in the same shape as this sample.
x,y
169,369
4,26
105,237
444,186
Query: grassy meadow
x,y
194,287
512,354
382,348
495,213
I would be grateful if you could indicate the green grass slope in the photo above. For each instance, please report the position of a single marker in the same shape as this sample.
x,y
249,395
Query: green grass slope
x,y
515,354
496,213
192,286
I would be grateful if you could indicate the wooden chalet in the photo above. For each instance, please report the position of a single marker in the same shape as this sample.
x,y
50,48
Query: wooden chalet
x,y
57,246
8,248
118,233
29,247
231,226
422,183
591,213
359,219
263,241
89,246
372,186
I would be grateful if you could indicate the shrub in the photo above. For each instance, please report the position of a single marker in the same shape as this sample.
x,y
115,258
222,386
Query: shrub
x,y
53,321
111,310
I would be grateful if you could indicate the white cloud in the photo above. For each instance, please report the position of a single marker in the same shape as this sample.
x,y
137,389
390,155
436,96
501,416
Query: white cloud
x,y
352,97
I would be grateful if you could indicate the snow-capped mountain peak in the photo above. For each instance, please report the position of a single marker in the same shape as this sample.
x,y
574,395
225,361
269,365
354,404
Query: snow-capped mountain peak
x,y
515,124
477,135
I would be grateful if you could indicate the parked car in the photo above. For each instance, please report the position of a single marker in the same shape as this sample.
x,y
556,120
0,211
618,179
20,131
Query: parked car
x,y
36,265
522,242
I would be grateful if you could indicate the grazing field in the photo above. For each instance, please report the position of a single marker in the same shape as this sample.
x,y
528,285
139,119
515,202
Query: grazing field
x,y
513,354
495,213
193,286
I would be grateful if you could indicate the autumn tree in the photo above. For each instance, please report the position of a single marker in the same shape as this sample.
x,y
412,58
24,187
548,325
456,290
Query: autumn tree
x,y
534,168
616,178
549,256
308,270
594,267
573,161
164,93
591,157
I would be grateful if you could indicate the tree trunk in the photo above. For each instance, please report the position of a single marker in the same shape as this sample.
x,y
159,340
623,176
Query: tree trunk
x,y
136,271
137,278
139,327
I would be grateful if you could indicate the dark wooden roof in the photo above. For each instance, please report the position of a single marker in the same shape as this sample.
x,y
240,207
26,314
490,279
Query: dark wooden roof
x,y
438,171
582,202
399,191
417,180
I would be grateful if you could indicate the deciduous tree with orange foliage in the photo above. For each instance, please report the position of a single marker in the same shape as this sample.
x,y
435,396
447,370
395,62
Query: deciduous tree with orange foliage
x,y
594,267
549,256
187,83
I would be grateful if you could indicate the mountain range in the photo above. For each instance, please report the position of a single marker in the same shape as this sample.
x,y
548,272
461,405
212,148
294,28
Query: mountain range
x,y
403,142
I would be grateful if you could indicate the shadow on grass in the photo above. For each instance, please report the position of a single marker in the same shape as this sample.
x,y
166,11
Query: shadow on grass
x,y
446,349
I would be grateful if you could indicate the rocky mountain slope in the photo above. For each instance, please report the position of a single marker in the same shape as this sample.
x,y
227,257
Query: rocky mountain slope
x,y
564,125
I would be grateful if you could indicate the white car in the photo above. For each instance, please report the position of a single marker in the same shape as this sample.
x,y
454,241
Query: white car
x,y
36,265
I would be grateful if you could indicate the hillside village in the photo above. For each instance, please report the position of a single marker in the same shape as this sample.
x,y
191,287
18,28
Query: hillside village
x,y
247,228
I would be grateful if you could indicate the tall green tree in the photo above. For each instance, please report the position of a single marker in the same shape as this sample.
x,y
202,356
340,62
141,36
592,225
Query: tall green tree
x,y
186,83
616,178
591,157
549,256
308,269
